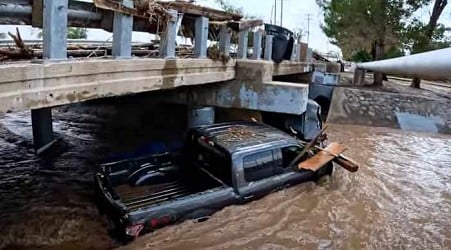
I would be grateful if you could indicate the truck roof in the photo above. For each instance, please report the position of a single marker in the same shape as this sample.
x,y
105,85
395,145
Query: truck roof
x,y
235,136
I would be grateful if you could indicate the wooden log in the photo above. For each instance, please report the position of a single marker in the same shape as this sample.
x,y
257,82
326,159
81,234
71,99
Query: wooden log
x,y
22,51
346,163
15,54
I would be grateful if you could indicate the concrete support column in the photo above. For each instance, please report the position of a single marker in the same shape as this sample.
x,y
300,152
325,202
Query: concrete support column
x,y
41,120
359,76
298,53
224,40
122,33
268,47
257,48
54,30
293,53
242,44
198,116
168,40
309,56
201,37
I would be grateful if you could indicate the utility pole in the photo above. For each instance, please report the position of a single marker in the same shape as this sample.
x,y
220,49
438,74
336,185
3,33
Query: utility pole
x,y
281,12
275,12
308,27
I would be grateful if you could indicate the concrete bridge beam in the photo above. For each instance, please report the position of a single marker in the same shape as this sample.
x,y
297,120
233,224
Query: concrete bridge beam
x,y
252,89
280,97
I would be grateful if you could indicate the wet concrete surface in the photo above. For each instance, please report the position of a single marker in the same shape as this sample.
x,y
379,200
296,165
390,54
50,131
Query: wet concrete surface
x,y
400,198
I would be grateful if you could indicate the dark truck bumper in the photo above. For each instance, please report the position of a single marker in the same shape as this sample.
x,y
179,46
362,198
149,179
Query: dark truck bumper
x,y
195,206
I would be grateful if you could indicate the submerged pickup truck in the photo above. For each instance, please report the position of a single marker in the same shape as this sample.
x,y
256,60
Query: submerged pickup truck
x,y
220,165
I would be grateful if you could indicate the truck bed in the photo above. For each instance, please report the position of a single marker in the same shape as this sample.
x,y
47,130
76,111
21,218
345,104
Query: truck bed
x,y
137,197
180,181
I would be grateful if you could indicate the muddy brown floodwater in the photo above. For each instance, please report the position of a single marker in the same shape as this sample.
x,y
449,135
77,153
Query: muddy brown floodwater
x,y
400,198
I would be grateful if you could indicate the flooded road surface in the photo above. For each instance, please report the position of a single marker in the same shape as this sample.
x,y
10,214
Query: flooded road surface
x,y
400,198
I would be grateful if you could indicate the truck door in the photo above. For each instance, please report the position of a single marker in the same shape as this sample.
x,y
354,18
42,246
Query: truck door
x,y
258,174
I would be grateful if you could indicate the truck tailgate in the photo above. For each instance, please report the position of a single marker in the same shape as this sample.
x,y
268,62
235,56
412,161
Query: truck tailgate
x,y
187,207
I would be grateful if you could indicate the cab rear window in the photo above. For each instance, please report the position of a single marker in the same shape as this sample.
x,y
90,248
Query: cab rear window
x,y
268,163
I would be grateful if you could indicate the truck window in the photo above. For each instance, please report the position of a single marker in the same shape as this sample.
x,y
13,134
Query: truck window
x,y
258,166
289,153
211,159
217,164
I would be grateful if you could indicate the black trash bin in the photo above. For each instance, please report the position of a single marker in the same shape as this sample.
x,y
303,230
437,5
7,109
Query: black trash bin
x,y
282,42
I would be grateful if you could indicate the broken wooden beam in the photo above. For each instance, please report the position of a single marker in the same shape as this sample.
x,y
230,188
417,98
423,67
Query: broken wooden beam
x,y
197,10
322,157
238,25
246,24
142,9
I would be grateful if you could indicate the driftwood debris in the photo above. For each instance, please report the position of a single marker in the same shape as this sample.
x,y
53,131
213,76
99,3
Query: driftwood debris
x,y
148,8
239,25
197,10
21,52
147,50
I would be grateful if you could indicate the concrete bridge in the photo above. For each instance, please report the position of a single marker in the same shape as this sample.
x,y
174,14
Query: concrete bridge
x,y
248,83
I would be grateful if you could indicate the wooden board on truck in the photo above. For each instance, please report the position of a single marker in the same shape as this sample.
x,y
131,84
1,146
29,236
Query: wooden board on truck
x,y
322,157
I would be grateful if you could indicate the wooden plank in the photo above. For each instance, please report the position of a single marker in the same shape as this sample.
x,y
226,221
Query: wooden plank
x,y
322,157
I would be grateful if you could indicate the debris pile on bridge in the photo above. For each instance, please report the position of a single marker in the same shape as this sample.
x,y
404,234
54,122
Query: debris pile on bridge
x,y
22,50
156,14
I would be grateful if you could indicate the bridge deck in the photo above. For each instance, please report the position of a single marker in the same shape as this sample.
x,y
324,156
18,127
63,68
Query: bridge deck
x,y
26,85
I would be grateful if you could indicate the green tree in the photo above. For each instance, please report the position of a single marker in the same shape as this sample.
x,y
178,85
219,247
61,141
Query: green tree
x,y
356,25
77,33
368,25
72,33
424,37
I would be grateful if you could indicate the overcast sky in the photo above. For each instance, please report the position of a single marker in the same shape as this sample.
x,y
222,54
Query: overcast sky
x,y
294,16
